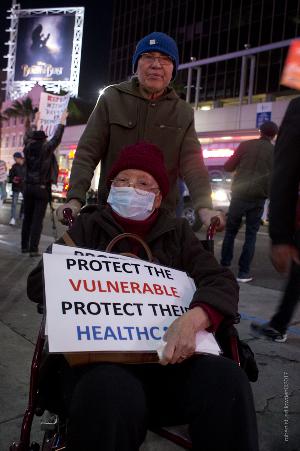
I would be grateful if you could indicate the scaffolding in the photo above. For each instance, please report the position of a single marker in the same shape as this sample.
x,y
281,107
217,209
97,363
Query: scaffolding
x,y
247,55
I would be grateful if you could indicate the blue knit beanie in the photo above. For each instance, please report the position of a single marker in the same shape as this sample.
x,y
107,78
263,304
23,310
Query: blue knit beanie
x,y
157,42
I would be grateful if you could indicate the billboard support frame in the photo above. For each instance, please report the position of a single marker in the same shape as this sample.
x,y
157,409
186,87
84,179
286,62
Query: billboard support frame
x,y
16,89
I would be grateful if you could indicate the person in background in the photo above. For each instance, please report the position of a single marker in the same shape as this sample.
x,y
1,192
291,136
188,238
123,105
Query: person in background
x,y
3,177
252,163
146,108
38,153
16,178
284,222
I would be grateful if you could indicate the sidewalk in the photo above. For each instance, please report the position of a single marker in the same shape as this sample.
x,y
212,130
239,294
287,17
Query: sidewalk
x,y
278,363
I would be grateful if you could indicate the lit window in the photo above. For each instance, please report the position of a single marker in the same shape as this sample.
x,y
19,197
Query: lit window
x,y
217,153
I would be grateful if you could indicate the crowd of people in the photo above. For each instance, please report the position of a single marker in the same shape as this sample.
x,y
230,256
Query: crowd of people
x,y
145,138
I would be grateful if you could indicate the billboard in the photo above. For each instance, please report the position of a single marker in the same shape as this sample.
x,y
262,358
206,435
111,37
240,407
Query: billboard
x,y
44,48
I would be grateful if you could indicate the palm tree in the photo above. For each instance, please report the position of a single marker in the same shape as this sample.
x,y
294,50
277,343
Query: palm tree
x,y
79,110
22,108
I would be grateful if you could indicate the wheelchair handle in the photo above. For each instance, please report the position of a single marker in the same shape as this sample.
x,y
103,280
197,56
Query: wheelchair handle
x,y
212,228
68,216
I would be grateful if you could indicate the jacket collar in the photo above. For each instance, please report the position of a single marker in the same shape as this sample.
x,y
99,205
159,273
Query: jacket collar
x,y
164,224
106,221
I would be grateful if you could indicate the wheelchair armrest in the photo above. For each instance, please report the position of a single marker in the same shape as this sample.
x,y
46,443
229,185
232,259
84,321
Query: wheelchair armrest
x,y
237,318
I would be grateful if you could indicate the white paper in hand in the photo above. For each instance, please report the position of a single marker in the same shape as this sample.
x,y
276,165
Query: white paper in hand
x,y
205,344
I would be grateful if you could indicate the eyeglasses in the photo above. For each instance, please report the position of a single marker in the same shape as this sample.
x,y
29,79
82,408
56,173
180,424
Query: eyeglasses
x,y
138,185
163,60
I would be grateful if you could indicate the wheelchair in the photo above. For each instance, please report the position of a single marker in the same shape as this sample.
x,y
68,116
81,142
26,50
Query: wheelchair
x,y
54,424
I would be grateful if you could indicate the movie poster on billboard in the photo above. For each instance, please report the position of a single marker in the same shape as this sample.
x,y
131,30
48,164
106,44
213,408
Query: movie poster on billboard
x,y
51,109
44,48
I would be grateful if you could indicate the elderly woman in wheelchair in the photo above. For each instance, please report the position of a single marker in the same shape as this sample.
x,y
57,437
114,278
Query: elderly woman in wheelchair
x,y
110,406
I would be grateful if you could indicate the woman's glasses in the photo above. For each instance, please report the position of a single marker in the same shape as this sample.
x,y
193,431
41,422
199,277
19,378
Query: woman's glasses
x,y
138,185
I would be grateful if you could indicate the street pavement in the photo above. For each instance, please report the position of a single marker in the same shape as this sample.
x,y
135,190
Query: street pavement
x,y
276,394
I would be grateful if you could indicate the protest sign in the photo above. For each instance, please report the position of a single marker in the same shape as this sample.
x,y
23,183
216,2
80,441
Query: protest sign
x,y
80,251
50,110
110,302
291,70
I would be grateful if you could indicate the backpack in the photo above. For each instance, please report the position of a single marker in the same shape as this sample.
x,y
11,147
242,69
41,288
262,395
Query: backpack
x,y
54,168
33,159
39,170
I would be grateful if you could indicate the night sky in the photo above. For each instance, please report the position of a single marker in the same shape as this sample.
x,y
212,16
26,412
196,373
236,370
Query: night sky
x,y
95,44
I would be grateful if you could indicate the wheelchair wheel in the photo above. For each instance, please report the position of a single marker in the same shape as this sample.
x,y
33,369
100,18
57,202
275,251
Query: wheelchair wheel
x,y
54,427
48,441
34,447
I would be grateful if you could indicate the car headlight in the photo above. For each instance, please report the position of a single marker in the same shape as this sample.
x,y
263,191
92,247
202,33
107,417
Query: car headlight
x,y
220,195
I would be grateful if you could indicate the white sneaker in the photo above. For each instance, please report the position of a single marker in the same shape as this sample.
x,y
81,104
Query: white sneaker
x,y
244,277
265,330
280,338
12,222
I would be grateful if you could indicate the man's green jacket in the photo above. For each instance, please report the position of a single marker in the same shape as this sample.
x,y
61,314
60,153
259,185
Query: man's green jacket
x,y
122,116
252,163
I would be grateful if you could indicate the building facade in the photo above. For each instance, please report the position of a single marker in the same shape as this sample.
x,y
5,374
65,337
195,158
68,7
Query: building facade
x,y
13,129
204,29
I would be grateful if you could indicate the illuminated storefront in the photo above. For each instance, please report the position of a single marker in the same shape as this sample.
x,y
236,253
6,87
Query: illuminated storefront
x,y
217,147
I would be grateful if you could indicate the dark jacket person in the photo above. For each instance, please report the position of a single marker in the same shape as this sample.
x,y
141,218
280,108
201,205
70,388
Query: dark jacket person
x,y
201,390
16,178
38,153
284,220
252,166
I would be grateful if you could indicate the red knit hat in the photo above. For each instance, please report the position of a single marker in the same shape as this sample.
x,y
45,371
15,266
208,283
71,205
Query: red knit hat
x,y
146,157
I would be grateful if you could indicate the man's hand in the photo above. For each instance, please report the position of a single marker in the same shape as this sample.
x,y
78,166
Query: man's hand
x,y
73,204
206,216
36,119
181,335
282,256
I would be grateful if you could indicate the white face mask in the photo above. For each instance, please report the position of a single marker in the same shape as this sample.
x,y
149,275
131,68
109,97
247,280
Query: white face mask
x,y
131,203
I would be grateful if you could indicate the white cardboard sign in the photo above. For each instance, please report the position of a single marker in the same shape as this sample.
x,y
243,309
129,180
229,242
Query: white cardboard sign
x,y
81,251
51,108
109,302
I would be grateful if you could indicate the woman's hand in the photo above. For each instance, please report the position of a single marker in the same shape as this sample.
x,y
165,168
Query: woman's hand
x,y
181,336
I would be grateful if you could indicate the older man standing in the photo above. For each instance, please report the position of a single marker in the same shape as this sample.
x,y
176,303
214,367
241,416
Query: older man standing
x,y
145,108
